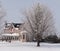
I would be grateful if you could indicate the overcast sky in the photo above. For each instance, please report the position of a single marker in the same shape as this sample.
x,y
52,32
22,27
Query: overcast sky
x,y
15,7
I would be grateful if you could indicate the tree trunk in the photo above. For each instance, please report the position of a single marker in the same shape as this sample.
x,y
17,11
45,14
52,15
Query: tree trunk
x,y
38,43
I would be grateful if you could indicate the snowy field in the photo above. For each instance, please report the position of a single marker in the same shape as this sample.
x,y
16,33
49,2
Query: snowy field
x,y
28,46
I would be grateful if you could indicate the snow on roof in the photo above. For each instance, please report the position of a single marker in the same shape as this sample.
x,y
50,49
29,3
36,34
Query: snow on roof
x,y
23,32
14,34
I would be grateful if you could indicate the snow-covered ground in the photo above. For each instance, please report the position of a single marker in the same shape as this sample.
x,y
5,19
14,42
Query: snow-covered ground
x,y
28,46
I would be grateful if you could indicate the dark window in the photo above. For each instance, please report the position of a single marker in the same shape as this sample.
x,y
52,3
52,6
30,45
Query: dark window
x,y
23,36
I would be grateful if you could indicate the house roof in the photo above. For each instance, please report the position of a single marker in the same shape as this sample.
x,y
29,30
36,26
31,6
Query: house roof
x,y
17,25
14,34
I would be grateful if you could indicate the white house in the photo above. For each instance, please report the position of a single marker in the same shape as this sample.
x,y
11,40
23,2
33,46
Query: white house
x,y
14,31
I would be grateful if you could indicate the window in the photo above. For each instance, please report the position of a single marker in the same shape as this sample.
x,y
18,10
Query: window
x,y
23,36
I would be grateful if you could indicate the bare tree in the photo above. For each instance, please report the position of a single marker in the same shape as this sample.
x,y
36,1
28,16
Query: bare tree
x,y
2,14
39,22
